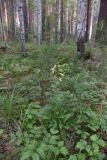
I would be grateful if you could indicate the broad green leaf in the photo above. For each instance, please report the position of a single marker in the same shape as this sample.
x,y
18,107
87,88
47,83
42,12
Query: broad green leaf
x,y
60,143
29,116
79,131
51,148
93,128
41,152
1,131
35,156
88,148
101,142
54,131
26,155
91,153
81,145
101,156
44,146
95,147
52,140
94,137
64,150
73,157
81,156
56,151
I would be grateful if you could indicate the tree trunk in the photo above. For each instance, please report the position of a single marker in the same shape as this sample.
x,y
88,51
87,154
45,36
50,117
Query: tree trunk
x,y
71,23
62,22
101,33
25,10
67,23
22,28
56,20
38,4
59,20
4,19
11,20
81,28
43,20
29,15
1,21
89,16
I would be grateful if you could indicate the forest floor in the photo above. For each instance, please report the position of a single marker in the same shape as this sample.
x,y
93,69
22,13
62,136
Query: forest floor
x,y
52,105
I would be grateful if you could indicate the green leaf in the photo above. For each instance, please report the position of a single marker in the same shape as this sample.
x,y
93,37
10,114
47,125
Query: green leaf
x,y
44,146
35,156
67,116
53,131
26,155
51,148
52,140
60,143
95,147
79,131
81,156
88,148
41,152
1,131
73,157
29,116
93,128
91,153
101,142
101,156
56,151
94,137
81,145
64,150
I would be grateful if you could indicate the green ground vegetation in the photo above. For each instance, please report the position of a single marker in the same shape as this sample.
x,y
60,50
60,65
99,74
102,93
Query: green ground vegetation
x,y
53,106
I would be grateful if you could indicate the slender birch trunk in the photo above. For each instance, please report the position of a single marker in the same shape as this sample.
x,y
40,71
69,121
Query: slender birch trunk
x,y
22,27
1,20
59,20
81,28
38,4
56,20
4,19
91,21
67,22
27,7
25,14
89,18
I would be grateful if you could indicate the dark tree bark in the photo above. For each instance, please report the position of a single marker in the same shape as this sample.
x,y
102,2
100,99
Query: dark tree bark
x,y
11,20
43,20
56,20
48,28
81,46
102,21
62,22
25,19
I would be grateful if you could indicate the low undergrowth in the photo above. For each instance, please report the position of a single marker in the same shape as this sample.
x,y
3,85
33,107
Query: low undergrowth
x,y
52,106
